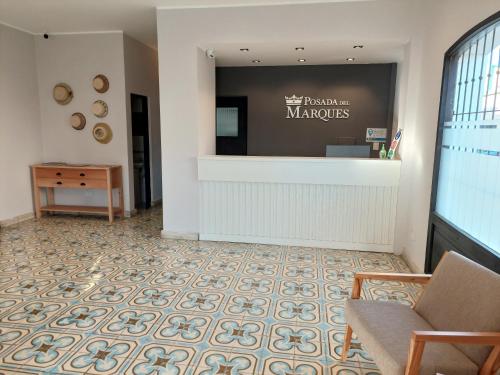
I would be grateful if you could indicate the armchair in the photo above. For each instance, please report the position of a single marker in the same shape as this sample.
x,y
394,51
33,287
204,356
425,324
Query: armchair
x,y
453,329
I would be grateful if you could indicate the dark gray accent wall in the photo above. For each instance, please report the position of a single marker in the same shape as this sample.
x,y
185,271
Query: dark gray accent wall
x,y
369,88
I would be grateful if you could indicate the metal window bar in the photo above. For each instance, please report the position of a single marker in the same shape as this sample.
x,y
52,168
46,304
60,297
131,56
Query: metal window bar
x,y
466,82
458,88
489,72
477,90
480,77
496,85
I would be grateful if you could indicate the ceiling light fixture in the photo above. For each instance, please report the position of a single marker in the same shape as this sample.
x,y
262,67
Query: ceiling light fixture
x,y
244,49
256,61
350,59
358,46
299,48
301,60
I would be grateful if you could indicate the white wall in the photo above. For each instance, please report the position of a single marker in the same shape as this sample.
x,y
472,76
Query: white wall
x,y
75,60
427,27
20,134
441,24
141,77
186,123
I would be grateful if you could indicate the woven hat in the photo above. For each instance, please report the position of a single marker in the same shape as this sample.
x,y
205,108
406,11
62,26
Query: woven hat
x,y
102,133
100,83
78,121
100,108
62,93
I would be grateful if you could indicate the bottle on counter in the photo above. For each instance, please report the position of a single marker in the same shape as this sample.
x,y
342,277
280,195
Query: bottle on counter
x,y
382,153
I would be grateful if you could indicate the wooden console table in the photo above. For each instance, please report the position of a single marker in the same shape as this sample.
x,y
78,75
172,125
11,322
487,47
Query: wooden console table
x,y
54,176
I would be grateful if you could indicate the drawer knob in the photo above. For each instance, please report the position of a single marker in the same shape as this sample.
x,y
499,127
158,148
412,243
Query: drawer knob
x,y
59,182
82,184
58,174
82,174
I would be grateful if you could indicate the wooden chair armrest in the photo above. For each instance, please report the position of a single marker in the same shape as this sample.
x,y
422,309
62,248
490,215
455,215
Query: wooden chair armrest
x,y
419,278
420,338
453,337
404,277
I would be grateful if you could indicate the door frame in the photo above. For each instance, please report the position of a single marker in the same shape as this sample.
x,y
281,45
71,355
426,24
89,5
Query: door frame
x,y
456,238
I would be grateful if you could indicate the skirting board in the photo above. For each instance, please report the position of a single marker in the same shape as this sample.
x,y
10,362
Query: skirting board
x,y
179,235
300,242
17,219
130,213
413,267
157,202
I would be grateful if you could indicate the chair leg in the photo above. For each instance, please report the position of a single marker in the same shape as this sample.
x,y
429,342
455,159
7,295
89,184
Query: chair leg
x,y
347,343
414,357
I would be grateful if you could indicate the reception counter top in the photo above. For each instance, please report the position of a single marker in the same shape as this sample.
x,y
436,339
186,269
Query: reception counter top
x,y
332,171
342,203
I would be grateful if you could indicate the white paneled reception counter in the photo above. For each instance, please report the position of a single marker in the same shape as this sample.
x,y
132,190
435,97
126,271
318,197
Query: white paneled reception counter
x,y
339,203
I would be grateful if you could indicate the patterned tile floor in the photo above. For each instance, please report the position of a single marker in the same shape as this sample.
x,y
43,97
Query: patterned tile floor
x,y
78,295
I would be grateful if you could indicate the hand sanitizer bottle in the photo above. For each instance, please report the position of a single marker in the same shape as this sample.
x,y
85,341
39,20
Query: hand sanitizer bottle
x,y
382,153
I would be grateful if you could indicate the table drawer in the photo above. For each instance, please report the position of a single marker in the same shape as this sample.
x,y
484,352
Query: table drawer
x,y
72,183
64,173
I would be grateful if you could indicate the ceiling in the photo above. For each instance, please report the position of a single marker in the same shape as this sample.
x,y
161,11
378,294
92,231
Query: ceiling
x,y
137,18
318,53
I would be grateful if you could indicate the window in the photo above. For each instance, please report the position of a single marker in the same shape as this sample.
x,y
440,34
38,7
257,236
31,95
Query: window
x,y
227,121
468,185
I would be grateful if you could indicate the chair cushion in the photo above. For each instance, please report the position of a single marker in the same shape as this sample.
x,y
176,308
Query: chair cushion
x,y
385,328
462,296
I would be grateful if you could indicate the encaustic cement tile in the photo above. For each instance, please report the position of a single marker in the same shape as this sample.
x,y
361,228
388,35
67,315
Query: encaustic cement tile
x,y
80,296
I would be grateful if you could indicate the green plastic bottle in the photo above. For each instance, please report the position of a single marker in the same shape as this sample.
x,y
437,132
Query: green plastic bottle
x,y
382,153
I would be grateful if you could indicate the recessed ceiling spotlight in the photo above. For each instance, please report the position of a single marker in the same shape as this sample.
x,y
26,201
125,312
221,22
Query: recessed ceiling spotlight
x,y
350,59
299,48
244,49
301,60
256,61
358,46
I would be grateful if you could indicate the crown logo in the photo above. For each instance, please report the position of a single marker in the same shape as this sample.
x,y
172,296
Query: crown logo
x,y
293,100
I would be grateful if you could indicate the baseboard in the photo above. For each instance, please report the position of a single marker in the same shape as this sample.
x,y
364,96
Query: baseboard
x,y
157,202
179,235
300,242
17,219
130,213
413,267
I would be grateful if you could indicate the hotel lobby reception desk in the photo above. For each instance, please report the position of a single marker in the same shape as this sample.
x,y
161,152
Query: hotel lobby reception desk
x,y
340,203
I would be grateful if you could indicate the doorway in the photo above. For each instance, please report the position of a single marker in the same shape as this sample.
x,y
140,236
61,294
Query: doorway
x,y
231,125
140,151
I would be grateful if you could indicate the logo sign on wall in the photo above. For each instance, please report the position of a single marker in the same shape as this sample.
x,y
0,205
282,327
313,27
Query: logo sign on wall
x,y
325,109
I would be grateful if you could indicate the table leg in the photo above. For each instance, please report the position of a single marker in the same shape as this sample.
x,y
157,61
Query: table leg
x,y
36,195
110,197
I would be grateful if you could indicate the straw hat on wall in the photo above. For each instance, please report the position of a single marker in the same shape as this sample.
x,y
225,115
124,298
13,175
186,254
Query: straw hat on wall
x,y
62,93
102,133
78,121
100,108
100,83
